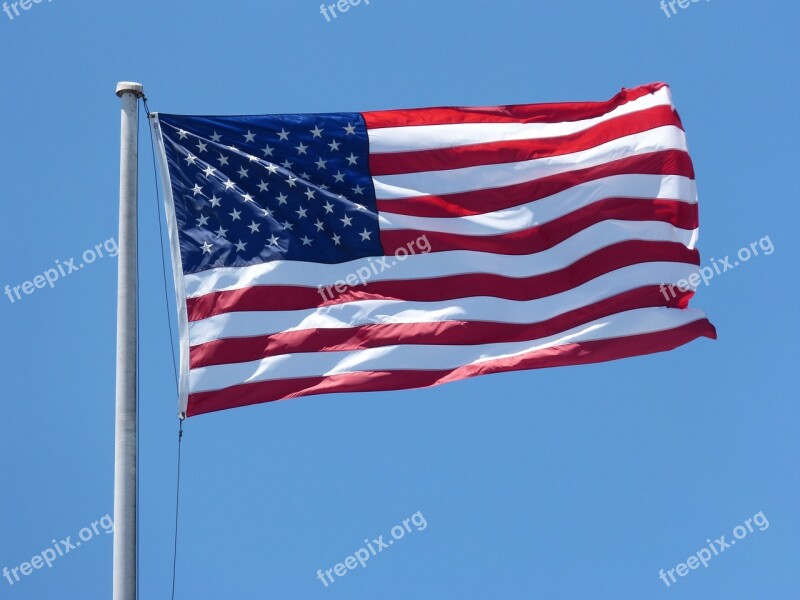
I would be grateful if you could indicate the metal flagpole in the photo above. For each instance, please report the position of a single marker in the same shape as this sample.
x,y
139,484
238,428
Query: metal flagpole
x,y
125,455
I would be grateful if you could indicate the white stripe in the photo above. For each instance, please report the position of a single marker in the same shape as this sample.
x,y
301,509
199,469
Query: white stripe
x,y
429,357
438,264
518,218
467,179
475,308
430,137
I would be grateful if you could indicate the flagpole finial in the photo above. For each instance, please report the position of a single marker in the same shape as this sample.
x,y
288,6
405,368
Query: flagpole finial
x,y
130,86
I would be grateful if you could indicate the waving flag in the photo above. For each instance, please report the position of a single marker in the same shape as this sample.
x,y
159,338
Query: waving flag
x,y
342,252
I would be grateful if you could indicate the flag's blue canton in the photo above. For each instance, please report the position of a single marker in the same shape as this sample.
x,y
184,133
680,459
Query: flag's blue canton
x,y
248,190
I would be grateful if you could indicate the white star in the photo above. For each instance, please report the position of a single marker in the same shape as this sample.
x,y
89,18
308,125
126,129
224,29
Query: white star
x,y
292,181
197,189
273,241
287,225
346,221
328,207
203,220
254,226
209,171
182,134
190,159
301,149
321,164
352,159
221,232
306,240
282,198
250,137
267,212
334,145
361,207
301,212
242,172
284,135
272,168
336,239
235,214
267,150
262,187
206,248
358,190
310,194
304,175
229,184
322,186
339,177
214,201
316,132
201,146
252,158
247,197
365,235
350,129
222,160
216,137
286,164
319,225
240,246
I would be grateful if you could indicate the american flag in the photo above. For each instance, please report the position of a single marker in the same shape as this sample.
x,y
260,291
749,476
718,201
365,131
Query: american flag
x,y
343,252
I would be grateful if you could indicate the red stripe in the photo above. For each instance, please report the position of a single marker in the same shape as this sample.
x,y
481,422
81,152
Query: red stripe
x,y
569,354
667,162
508,151
269,297
547,235
237,350
556,112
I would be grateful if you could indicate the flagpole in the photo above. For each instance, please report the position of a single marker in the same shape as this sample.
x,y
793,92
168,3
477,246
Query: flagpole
x,y
125,451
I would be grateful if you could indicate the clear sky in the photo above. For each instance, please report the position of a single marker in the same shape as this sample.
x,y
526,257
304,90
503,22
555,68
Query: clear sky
x,y
571,483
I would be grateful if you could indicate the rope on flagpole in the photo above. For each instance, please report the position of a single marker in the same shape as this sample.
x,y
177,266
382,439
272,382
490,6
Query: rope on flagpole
x,y
177,507
172,350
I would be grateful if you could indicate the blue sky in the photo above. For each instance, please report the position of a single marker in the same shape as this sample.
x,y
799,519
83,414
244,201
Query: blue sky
x,y
579,482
